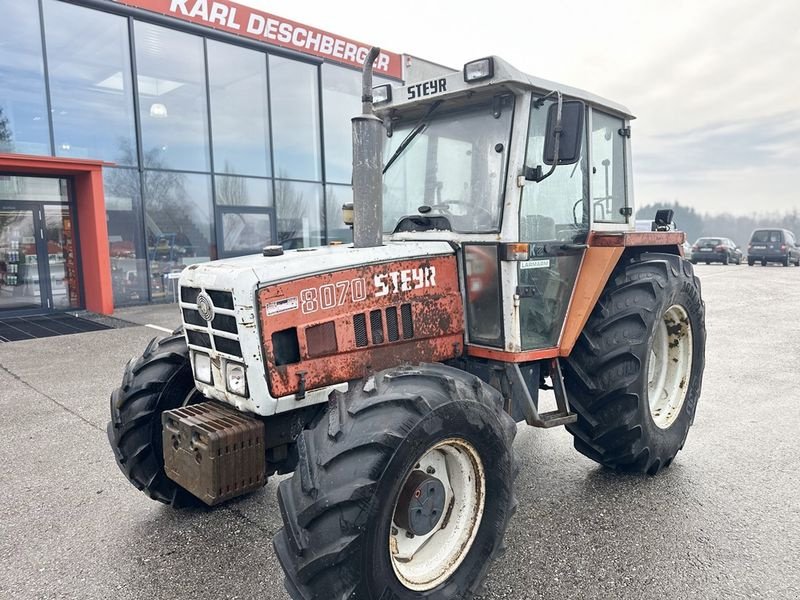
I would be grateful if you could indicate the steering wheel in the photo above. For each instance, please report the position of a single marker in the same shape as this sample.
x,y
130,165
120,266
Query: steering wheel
x,y
444,206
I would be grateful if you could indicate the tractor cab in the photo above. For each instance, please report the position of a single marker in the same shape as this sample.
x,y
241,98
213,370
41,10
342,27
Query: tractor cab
x,y
473,158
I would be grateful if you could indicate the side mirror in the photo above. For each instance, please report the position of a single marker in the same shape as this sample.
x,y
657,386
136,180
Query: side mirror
x,y
571,135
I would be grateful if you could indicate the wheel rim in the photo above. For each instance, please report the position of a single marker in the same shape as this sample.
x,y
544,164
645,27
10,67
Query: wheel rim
x,y
422,562
670,366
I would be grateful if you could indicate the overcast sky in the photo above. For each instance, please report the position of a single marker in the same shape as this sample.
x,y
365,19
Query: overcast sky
x,y
715,84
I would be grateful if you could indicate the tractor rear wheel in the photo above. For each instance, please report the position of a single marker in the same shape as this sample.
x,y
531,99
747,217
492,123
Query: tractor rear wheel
x,y
161,379
634,377
403,489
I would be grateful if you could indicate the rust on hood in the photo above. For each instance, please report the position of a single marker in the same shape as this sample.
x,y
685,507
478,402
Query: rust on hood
x,y
381,315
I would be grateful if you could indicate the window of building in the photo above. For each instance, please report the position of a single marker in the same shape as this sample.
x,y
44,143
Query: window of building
x,y
24,124
246,216
295,119
341,96
335,196
299,210
243,191
91,87
126,246
172,98
237,79
341,101
178,227
608,169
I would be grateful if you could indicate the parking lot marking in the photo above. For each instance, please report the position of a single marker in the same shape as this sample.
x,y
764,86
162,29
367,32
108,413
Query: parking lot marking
x,y
159,328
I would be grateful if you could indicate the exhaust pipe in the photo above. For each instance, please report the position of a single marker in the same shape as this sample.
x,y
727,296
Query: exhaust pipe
x,y
368,134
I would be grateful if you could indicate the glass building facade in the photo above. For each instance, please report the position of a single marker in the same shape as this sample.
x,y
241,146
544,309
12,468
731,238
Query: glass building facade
x,y
218,147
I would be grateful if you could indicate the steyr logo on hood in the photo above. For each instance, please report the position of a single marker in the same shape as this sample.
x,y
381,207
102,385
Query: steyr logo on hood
x,y
404,281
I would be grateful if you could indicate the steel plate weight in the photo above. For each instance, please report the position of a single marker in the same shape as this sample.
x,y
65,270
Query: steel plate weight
x,y
214,452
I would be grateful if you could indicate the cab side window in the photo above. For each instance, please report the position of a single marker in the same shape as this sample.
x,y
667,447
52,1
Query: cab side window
x,y
556,208
609,204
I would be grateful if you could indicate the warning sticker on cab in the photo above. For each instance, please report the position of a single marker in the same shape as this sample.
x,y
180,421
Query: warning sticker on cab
x,y
535,264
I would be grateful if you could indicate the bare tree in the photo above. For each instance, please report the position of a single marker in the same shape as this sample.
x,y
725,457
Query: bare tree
x,y
6,138
292,206
231,190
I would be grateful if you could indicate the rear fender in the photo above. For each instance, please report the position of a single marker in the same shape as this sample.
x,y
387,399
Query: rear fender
x,y
604,253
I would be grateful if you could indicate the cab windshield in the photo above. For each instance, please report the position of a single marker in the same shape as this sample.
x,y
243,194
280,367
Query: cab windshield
x,y
454,167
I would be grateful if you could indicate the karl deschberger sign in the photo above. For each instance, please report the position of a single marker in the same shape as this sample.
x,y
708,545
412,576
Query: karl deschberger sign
x,y
264,27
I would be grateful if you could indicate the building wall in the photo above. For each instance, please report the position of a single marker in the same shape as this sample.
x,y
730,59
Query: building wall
x,y
218,148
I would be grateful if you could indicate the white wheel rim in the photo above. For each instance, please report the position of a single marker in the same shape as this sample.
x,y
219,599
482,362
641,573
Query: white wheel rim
x,y
423,562
670,366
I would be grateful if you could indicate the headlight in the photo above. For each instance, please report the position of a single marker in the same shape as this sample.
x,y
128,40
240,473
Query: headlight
x,y
381,94
236,379
479,69
202,367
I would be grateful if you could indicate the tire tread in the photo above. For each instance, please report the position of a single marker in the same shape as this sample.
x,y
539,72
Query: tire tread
x,y
606,366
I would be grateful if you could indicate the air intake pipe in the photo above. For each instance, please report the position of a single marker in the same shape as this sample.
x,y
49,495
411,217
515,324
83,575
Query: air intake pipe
x,y
368,134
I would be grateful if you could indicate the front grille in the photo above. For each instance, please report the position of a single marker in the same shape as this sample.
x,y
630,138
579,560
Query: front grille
x,y
376,329
392,328
221,334
222,300
198,338
225,323
408,321
360,330
376,326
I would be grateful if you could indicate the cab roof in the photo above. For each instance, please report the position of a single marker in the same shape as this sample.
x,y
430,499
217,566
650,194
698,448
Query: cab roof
x,y
505,74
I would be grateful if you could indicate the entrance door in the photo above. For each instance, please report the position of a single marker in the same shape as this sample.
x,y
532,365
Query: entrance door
x,y
38,263
20,261
62,263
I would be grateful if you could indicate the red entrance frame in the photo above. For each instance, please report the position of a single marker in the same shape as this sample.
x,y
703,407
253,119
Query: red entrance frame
x,y
90,205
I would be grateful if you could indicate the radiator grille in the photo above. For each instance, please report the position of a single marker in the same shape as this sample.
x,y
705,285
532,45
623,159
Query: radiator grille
x,y
222,333
360,330
377,333
392,328
376,326
408,321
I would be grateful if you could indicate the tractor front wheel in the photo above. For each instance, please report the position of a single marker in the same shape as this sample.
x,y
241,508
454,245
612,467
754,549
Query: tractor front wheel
x,y
403,490
161,379
634,377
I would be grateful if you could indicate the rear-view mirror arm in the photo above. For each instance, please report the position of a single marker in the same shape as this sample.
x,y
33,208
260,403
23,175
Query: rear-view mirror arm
x,y
535,174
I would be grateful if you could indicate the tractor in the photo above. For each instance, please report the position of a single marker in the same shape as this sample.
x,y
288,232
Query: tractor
x,y
494,258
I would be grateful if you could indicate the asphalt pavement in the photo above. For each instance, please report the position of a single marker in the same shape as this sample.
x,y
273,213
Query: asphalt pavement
x,y
722,522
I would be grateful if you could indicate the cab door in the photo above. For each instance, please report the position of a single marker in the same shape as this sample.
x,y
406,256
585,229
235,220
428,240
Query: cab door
x,y
554,220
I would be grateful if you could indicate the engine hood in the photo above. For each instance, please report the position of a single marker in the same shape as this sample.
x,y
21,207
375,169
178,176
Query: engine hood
x,y
249,277
242,275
